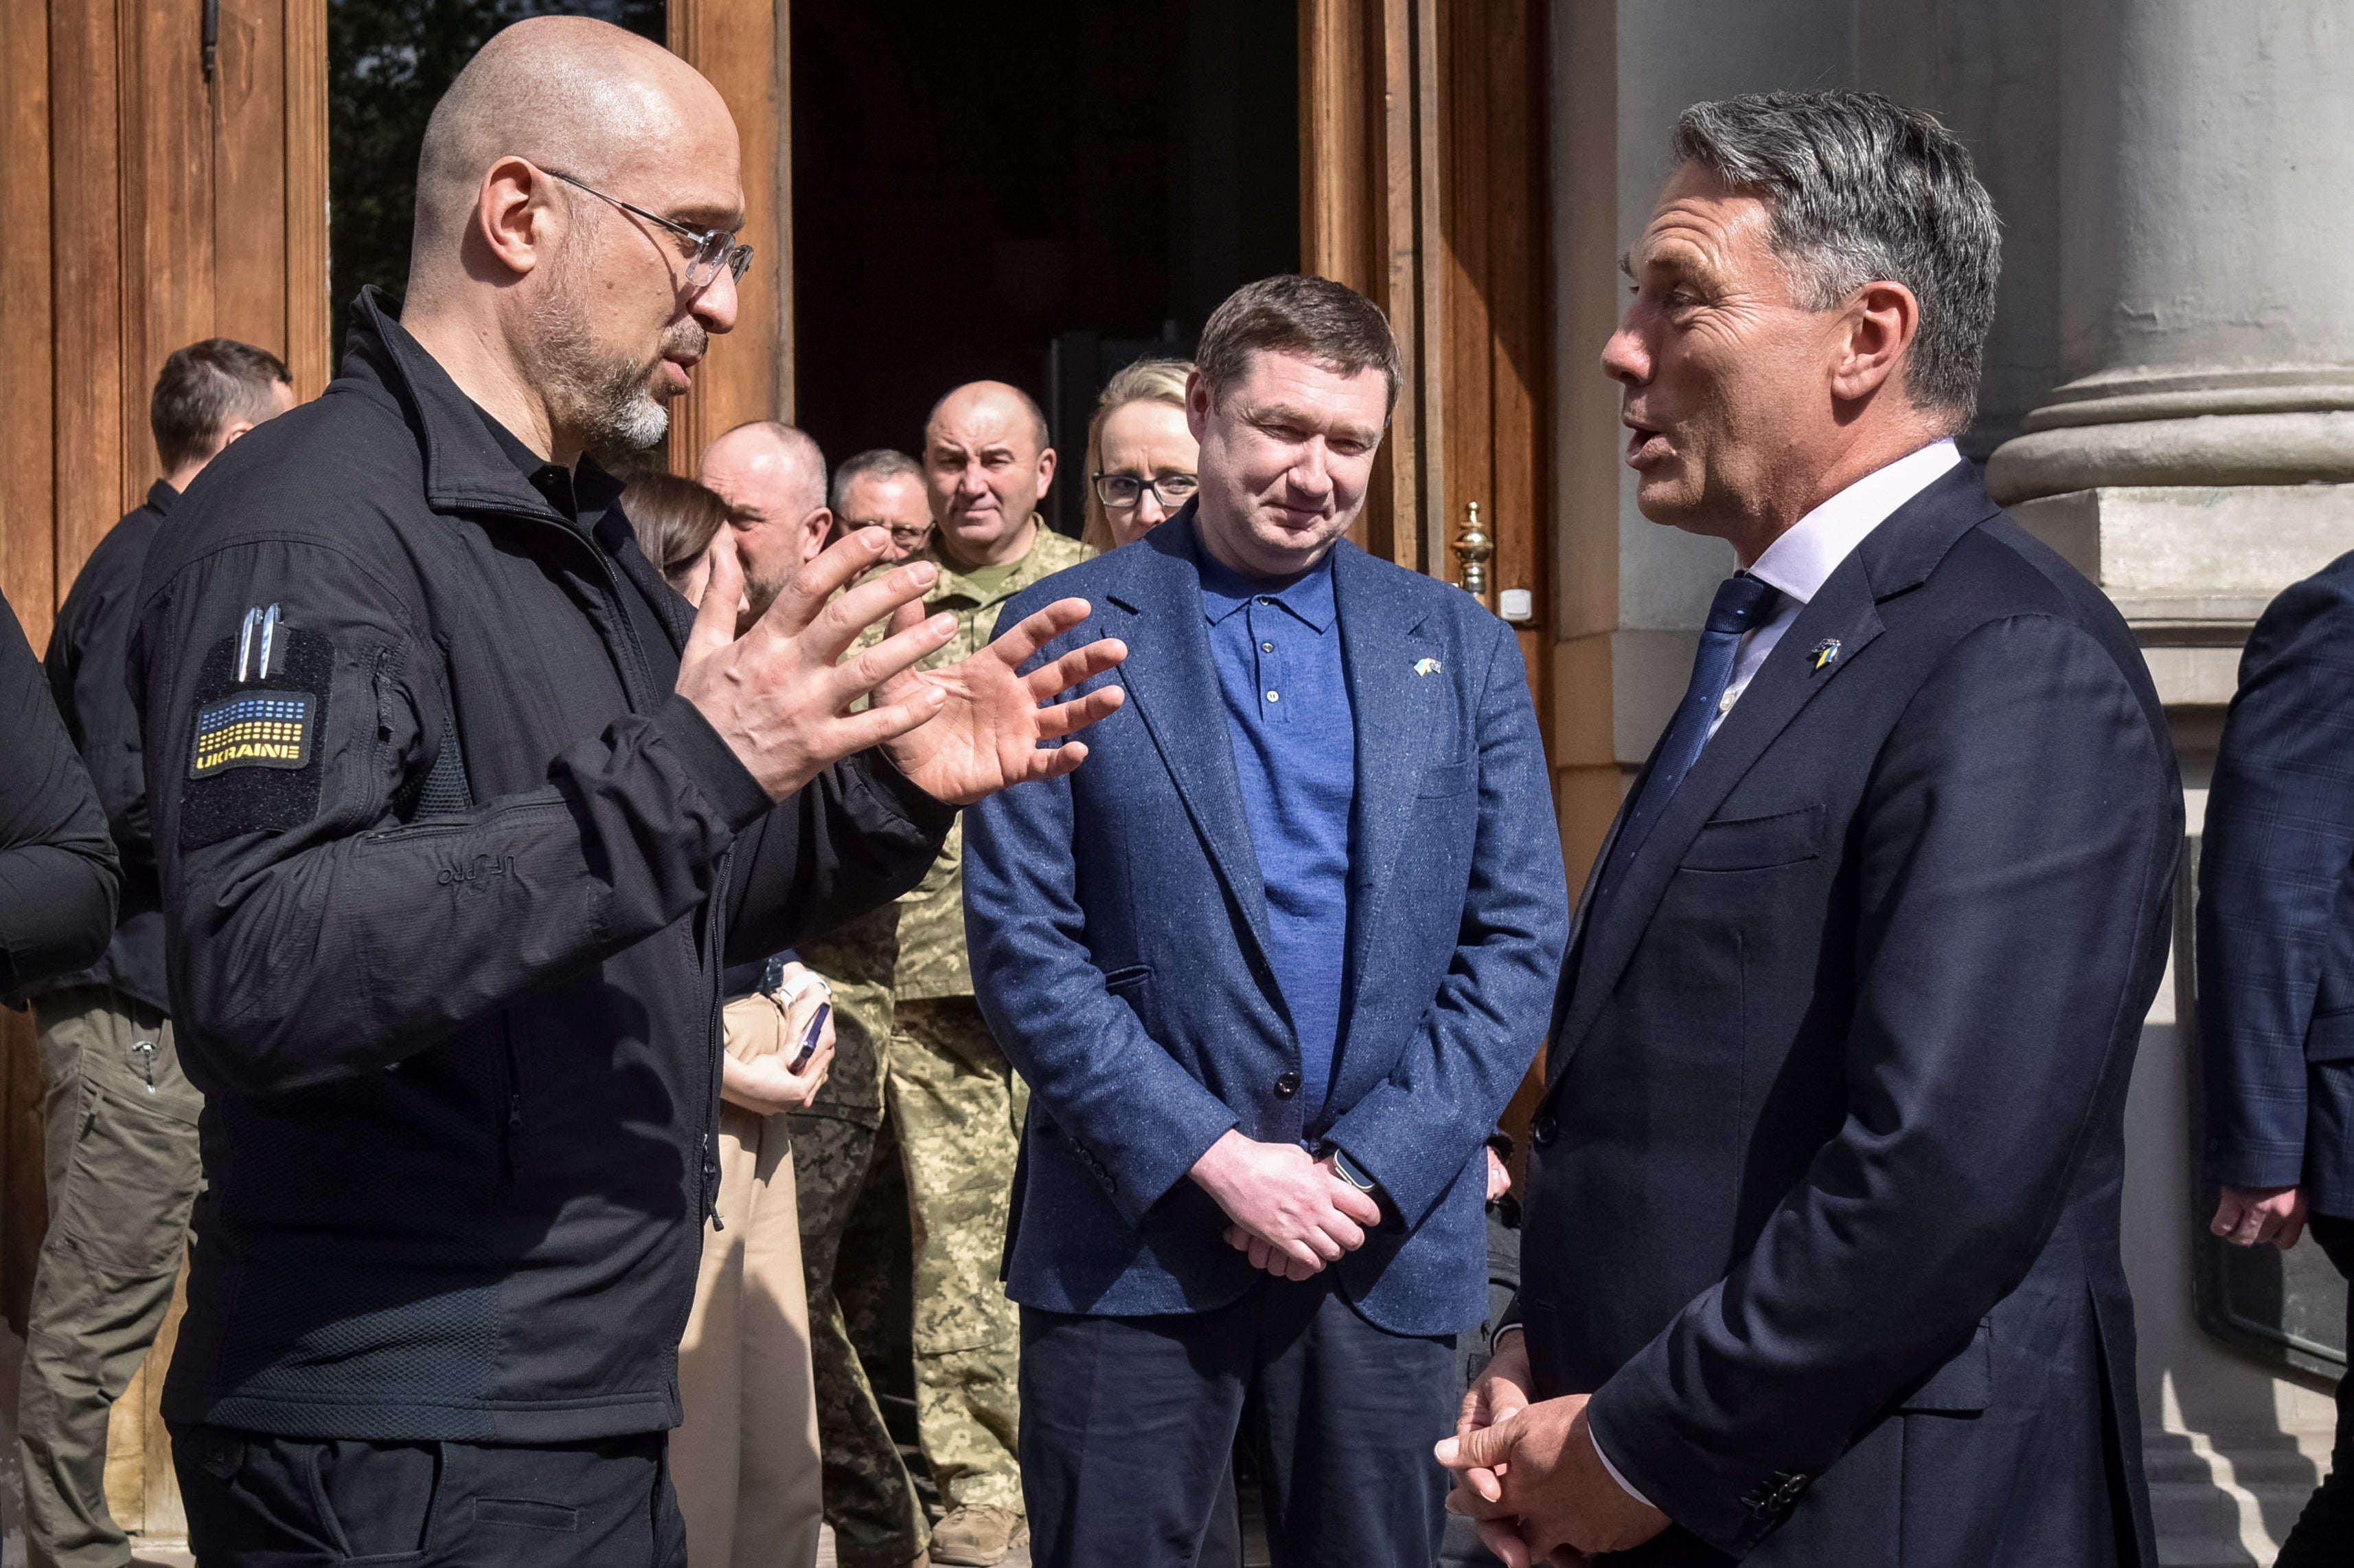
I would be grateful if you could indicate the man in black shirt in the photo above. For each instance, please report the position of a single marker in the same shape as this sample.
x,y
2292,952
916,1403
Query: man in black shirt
x,y
460,817
121,1148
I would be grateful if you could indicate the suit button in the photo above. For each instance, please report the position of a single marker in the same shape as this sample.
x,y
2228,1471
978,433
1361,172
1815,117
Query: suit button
x,y
1543,1131
1287,1086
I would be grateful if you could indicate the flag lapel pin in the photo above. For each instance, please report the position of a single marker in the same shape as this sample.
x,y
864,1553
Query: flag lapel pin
x,y
1826,651
1426,666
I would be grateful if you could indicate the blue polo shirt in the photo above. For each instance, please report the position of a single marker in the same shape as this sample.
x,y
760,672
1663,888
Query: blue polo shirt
x,y
1286,688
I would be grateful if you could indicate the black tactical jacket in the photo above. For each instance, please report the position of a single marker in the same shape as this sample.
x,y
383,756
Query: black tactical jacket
x,y
85,665
57,868
449,882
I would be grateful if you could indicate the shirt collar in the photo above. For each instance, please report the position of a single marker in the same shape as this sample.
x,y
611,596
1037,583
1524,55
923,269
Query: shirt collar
x,y
582,496
1802,560
1308,597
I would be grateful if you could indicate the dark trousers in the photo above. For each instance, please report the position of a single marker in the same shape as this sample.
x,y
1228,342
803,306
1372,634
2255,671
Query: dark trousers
x,y
1128,1424
2325,1531
258,1502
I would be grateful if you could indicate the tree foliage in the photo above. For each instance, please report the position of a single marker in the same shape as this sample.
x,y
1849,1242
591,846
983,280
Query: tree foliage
x,y
388,62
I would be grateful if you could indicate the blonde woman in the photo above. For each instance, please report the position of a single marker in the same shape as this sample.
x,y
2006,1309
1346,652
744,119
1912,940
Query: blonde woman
x,y
1141,455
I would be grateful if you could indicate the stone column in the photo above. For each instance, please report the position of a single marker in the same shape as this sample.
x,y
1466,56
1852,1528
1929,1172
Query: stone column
x,y
2197,459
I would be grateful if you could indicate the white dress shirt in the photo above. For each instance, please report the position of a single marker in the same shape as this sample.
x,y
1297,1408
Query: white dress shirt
x,y
1802,560
1800,563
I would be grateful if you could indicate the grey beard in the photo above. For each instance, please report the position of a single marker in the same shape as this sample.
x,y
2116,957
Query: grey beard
x,y
622,414
608,402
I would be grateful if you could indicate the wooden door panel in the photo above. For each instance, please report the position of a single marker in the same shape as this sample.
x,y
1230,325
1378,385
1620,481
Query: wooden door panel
x,y
744,49
1425,185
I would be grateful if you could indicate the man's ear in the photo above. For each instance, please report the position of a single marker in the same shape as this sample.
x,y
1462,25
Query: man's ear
x,y
510,214
231,433
1197,407
1045,469
1875,331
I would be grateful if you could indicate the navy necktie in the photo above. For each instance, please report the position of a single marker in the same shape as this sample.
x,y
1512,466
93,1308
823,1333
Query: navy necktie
x,y
1743,603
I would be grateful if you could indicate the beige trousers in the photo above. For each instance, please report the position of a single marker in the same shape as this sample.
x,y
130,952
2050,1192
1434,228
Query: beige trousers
x,y
745,1462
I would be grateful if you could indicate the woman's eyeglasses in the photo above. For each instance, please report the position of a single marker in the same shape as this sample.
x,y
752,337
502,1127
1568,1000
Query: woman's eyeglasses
x,y
1119,492
714,248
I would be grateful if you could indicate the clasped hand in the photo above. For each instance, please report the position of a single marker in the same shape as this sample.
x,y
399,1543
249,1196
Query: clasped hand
x,y
1292,1213
782,693
1529,1473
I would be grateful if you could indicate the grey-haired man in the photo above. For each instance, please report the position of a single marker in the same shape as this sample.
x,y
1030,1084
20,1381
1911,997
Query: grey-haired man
x,y
1820,1262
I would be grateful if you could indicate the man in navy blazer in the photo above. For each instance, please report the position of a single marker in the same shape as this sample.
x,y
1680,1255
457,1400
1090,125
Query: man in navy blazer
x,y
1820,1257
1272,963
2277,970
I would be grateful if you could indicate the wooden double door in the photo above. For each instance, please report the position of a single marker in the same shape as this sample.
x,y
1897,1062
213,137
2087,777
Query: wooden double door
x,y
167,181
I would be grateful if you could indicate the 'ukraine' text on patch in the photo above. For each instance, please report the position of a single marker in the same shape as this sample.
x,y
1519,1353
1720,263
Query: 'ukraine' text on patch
x,y
255,729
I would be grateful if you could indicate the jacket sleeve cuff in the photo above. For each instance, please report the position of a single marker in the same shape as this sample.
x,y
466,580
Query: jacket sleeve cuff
x,y
1654,1457
910,799
1593,1436
713,766
2246,1162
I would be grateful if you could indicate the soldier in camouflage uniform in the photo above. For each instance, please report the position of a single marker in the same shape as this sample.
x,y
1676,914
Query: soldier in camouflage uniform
x,y
955,1104
870,1499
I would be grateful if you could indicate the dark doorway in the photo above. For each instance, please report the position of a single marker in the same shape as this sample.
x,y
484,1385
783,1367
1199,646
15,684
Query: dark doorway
x,y
388,62
1037,192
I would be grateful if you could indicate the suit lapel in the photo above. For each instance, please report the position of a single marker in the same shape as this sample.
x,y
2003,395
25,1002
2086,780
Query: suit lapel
x,y
1896,556
1394,712
1173,682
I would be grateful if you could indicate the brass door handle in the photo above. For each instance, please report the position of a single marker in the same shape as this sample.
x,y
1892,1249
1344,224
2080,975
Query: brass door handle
x,y
1473,550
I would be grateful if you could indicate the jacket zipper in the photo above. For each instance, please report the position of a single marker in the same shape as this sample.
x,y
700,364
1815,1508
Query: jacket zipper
x,y
636,678
514,1097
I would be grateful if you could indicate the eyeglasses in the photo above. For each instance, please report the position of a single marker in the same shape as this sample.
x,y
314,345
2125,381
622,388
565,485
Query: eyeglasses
x,y
714,248
1119,492
904,532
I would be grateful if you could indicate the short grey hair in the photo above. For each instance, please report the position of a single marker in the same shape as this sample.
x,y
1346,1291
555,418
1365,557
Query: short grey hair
x,y
1864,189
879,464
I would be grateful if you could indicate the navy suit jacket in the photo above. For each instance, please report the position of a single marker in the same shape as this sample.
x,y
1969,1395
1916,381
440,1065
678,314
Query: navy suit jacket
x,y
1118,928
2277,905
1825,1205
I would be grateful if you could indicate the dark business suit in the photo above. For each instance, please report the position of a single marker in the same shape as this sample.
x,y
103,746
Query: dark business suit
x,y
1825,1205
1118,930
2276,951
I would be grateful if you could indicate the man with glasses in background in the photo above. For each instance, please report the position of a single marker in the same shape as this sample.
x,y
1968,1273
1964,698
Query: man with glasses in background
x,y
460,815
884,489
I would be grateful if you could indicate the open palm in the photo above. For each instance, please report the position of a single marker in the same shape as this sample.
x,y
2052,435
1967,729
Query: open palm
x,y
993,718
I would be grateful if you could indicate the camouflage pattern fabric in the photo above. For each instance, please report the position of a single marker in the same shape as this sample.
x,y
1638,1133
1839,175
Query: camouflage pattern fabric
x,y
870,1499
931,958
900,974
957,1107
857,960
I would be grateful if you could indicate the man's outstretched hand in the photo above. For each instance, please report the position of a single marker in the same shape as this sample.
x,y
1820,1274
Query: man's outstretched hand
x,y
987,719
780,695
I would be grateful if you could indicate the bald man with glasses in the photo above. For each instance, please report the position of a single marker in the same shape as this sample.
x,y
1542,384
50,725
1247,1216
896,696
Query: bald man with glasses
x,y
460,814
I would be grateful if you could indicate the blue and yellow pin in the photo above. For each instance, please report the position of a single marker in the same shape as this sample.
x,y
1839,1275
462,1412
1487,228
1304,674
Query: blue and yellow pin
x,y
1825,652
1426,666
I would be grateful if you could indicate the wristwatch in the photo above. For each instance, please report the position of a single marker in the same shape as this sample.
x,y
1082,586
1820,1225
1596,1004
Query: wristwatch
x,y
1350,1174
